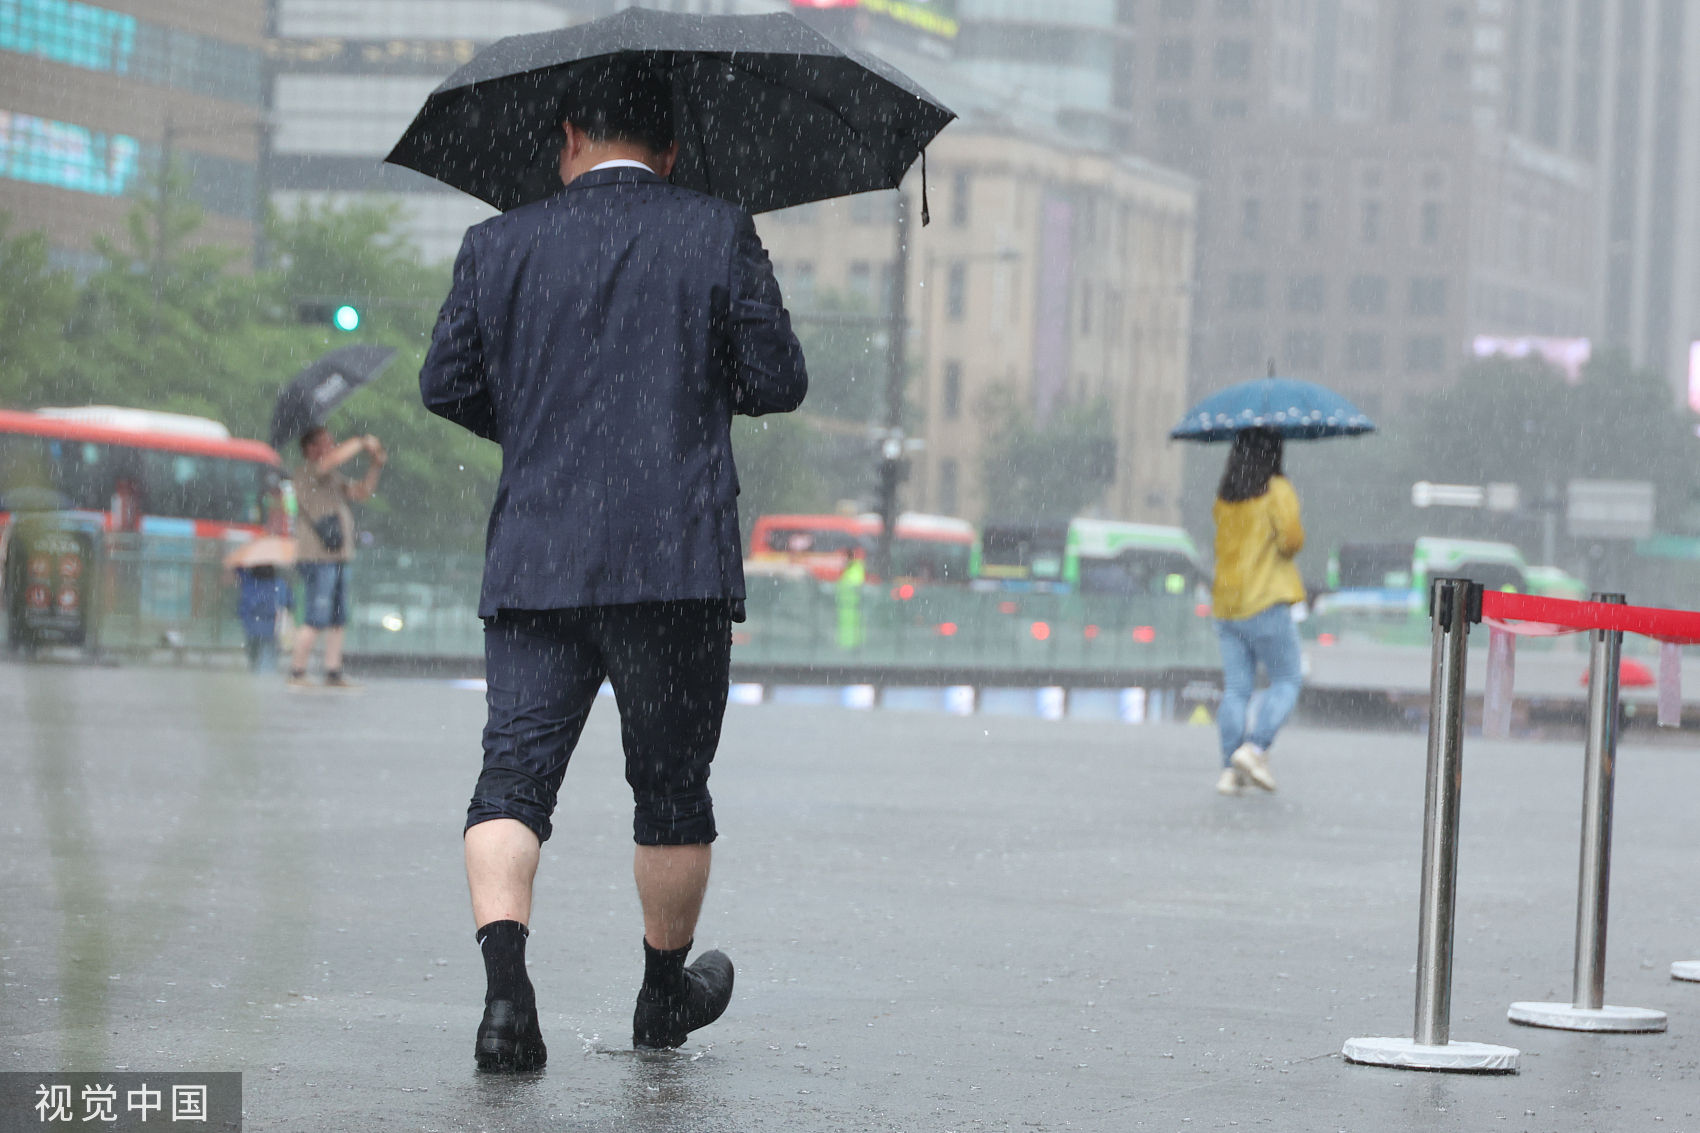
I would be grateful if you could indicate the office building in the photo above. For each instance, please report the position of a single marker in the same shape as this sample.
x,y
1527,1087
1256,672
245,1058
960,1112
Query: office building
x,y
1371,196
1370,258
94,98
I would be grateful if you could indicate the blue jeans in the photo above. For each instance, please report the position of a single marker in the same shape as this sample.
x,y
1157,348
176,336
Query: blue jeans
x,y
326,594
1270,638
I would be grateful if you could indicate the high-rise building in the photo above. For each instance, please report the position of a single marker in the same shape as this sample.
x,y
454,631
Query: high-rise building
x,y
1046,65
96,98
1369,258
349,77
1648,138
1198,64
1607,84
1368,201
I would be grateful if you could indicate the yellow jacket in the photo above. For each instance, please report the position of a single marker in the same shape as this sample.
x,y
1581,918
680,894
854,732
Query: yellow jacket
x,y
1256,540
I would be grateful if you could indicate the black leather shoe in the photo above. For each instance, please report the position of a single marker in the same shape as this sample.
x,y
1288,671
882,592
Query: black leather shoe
x,y
662,1022
509,1039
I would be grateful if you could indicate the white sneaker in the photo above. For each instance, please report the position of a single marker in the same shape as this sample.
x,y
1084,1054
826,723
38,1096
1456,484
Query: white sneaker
x,y
1230,782
1251,762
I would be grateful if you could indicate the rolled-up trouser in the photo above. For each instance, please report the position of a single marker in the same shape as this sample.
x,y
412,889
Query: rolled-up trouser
x,y
668,663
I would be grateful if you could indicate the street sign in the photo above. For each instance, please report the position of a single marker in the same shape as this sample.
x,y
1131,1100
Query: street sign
x,y
1503,497
1425,494
1495,497
1610,509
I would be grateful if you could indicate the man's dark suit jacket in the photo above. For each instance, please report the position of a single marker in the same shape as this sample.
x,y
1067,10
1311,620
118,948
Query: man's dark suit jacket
x,y
604,337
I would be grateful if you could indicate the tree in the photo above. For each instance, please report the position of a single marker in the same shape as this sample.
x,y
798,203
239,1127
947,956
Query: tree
x,y
844,344
355,252
35,303
165,323
811,460
1051,470
168,323
441,479
778,468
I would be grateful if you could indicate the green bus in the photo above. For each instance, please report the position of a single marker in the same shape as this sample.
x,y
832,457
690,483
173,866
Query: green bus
x,y
1383,587
1087,556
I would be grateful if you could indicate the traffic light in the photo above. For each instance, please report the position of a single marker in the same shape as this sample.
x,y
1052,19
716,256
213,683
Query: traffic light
x,y
340,316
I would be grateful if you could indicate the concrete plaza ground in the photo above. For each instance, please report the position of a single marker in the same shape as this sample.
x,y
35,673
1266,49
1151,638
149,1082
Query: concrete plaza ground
x,y
939,923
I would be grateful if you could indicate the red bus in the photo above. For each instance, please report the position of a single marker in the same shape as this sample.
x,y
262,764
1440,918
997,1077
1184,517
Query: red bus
x,y
143,471
928,548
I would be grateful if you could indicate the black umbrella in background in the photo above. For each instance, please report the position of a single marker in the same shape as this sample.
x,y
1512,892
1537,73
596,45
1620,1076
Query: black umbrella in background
x,y
769,112
307,400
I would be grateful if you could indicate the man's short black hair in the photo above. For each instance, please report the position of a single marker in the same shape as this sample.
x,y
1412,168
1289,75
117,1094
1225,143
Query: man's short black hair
x,y
626,97
310,436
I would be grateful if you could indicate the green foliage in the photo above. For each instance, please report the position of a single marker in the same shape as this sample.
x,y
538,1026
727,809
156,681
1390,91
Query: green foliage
x,y
1052,470
437,489
35,304
778,466
171,323
846,355
808,461
168,323
355,254
165,323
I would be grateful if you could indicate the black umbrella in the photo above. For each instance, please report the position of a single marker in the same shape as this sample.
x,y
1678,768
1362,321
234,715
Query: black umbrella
x,y
769,112
304,403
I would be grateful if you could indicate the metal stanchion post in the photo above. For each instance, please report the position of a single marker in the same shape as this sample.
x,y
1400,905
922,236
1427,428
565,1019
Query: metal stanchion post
x,y
1587,1010
1455,603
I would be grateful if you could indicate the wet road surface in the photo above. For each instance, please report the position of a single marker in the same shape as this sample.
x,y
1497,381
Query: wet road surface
x,y
939,923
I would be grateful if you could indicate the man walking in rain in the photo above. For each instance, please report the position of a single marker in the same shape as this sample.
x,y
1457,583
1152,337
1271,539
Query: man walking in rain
x,y
604,337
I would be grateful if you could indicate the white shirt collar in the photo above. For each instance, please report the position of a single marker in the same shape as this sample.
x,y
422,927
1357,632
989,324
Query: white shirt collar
x,y
622,163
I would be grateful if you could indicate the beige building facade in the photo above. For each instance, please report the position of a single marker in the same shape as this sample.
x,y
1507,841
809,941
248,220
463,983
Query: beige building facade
x,y
1050,276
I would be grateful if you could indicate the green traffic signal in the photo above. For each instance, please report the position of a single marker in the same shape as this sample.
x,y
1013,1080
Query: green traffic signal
x,y
346,318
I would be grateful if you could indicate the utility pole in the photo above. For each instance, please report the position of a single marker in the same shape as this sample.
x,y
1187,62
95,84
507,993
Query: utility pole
x,y
892,446
161,213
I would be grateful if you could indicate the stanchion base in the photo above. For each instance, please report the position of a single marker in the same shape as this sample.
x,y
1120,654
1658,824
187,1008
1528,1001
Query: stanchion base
x,y
1565,1017
1408,1054
1686,970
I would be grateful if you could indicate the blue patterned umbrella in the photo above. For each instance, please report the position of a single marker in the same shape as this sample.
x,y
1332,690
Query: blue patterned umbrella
x,y
1299,411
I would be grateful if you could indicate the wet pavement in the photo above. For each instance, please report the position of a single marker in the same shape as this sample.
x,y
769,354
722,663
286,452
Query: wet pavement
x,y
939,923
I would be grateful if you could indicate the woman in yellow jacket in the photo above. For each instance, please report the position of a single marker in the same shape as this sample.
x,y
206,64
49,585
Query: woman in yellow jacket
x,y
1257,535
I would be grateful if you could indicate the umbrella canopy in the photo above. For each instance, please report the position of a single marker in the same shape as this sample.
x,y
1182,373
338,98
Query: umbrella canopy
x,y
769,112
267,550
308,398
1298,410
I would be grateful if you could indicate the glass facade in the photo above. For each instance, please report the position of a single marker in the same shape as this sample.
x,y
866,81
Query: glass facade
x,y
66,156
78,35
98,39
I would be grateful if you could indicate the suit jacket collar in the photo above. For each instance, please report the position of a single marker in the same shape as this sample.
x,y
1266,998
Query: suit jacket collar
x,y
618,175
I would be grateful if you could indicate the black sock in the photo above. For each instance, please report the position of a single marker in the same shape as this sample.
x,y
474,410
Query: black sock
x,y
503,944
664,971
